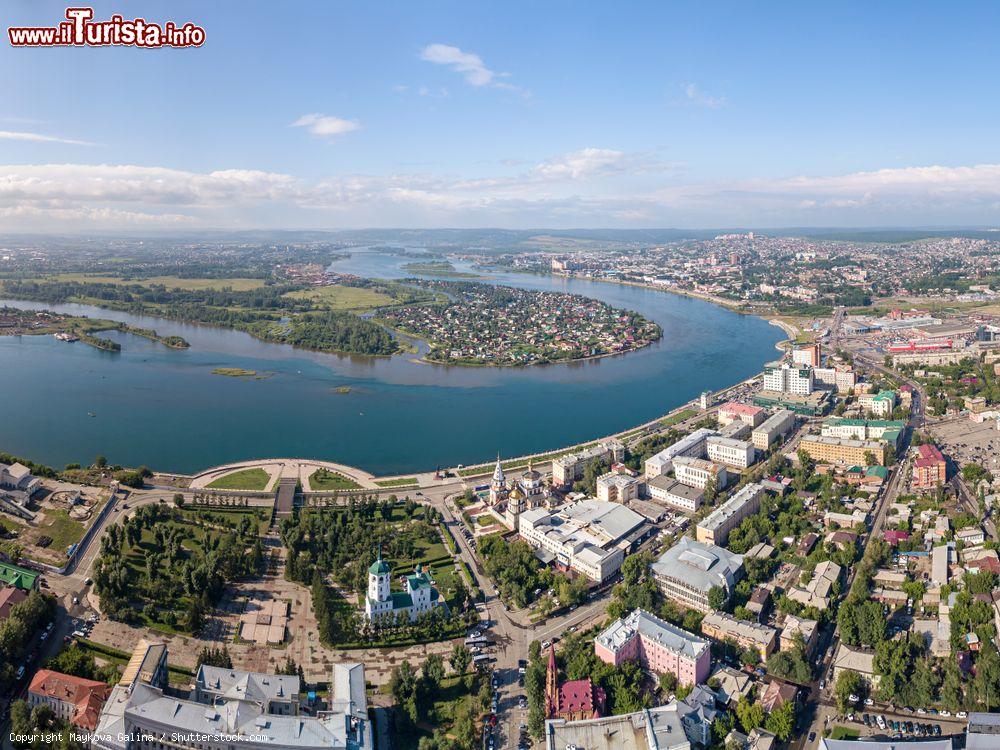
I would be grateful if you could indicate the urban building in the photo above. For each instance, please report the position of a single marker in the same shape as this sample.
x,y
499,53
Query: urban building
x,y
675,726
731,452
9,598
842,381
802,626
782,377
692,445
721,626
930,470
277,694
715,528
772,429
808,355
690,569
17,478
880,404
815,403
817,592
887,430
983,731
590,537
72,699
18,577
843,451
567,469
851,659
617,488
509,501
675,494
733,411
573,700
659,646
697,472
419,597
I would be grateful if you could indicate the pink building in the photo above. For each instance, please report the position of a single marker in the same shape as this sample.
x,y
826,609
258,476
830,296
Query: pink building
x,y
734,410
659,646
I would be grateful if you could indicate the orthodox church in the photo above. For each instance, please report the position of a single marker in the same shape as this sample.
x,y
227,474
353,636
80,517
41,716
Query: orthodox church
x,y
381,602
508,503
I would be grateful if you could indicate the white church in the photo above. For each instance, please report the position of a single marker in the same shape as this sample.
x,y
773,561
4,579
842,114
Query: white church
x,y
381,602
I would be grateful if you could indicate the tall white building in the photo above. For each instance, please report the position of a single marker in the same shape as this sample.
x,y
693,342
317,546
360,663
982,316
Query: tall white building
x,y
695,472
380,602
738,453
785,378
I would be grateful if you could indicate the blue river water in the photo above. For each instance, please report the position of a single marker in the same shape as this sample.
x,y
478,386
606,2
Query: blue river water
x,y
164,408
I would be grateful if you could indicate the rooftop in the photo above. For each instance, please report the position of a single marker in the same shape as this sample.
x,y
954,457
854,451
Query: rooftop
x,y
698,565
649,626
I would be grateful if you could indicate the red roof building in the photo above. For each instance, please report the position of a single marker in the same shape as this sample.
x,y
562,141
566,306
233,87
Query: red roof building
x,y
575,700
9,596
776,695
894,536
929,468
71,699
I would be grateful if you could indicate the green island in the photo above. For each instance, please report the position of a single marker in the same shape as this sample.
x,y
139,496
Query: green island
x,y
255,479
483,324
442,268
70,328
234,372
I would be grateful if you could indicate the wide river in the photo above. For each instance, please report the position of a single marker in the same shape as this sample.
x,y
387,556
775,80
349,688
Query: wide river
x,y
151,405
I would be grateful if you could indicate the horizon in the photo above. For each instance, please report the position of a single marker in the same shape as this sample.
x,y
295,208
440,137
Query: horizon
x,y
516,118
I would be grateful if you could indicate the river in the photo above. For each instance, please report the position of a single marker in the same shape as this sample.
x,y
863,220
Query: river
x,y
164,408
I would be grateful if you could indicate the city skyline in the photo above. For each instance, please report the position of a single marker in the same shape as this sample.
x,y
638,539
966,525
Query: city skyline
x,y
513,117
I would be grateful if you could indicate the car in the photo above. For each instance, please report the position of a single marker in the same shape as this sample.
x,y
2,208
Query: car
x,y
908,709
853,698
87,581
869,702
880,720
937,730
945,712
812,736
961,715
76,600
922,711
44,636
822,684
20,672
546,644
867,719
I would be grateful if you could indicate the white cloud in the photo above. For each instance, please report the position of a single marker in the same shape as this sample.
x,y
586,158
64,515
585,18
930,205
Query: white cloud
x,y
469,64
14,135
580,164
326,126
697,97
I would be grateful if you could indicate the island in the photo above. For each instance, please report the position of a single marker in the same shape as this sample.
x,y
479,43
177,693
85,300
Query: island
x,y
483,324
70,328
438,268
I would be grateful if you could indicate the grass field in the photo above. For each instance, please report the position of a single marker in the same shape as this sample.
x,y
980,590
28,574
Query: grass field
x,y
63,529
844,733
324,479
343,298
404,482
245,479
171,282
678,417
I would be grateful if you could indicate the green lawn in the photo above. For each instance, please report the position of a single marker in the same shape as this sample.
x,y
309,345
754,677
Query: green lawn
x,y
324,479
343,298
678,417
404,482
245,479
63,529
844,733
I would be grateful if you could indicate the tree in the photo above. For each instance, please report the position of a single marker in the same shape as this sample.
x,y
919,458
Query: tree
x,y
711,490
433,671
750,715
848,684
179,500
781,722
460,658
870,459
668,683
717,597
100,462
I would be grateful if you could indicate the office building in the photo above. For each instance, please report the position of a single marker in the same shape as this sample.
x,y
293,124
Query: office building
x,y
733,411
721,626
715,528
696,472
687,571
771,430
782,377
590,537
659,646
617,488
842,450
692,445
808,355
930,470
887,430
567,469
737,453
675,494
880,404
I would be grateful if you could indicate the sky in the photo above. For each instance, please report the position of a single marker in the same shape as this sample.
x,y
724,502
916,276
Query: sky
x,y
558,114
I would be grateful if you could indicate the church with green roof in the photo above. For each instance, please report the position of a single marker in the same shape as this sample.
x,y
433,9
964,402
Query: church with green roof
x,y
420,594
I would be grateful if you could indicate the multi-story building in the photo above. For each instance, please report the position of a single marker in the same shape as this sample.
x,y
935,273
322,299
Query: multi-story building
x,y
675,494
842,450
880,404
692,445
794,625
818,590
567,469
715,528
17,478
721,626
590,537
772,429
930,470
617,488
808,355
140,715
696,472
783,377
734,411
690,569
72,699
729,451
659,646
420,595
842,381
887,430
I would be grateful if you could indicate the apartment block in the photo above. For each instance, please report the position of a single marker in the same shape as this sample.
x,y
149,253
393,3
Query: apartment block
x,y
773,429
660,647
715,528
731,452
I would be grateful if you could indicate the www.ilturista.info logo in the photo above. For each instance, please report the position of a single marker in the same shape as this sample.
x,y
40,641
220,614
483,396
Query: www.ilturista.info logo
x,y
81,30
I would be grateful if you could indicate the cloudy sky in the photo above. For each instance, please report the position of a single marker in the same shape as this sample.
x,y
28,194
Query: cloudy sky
x,y
508,114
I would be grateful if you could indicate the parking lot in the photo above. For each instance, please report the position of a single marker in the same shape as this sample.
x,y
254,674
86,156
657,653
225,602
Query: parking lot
x,y
964,440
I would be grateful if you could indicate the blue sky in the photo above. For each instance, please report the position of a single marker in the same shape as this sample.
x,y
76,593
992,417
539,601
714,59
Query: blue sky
x,y
513,114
